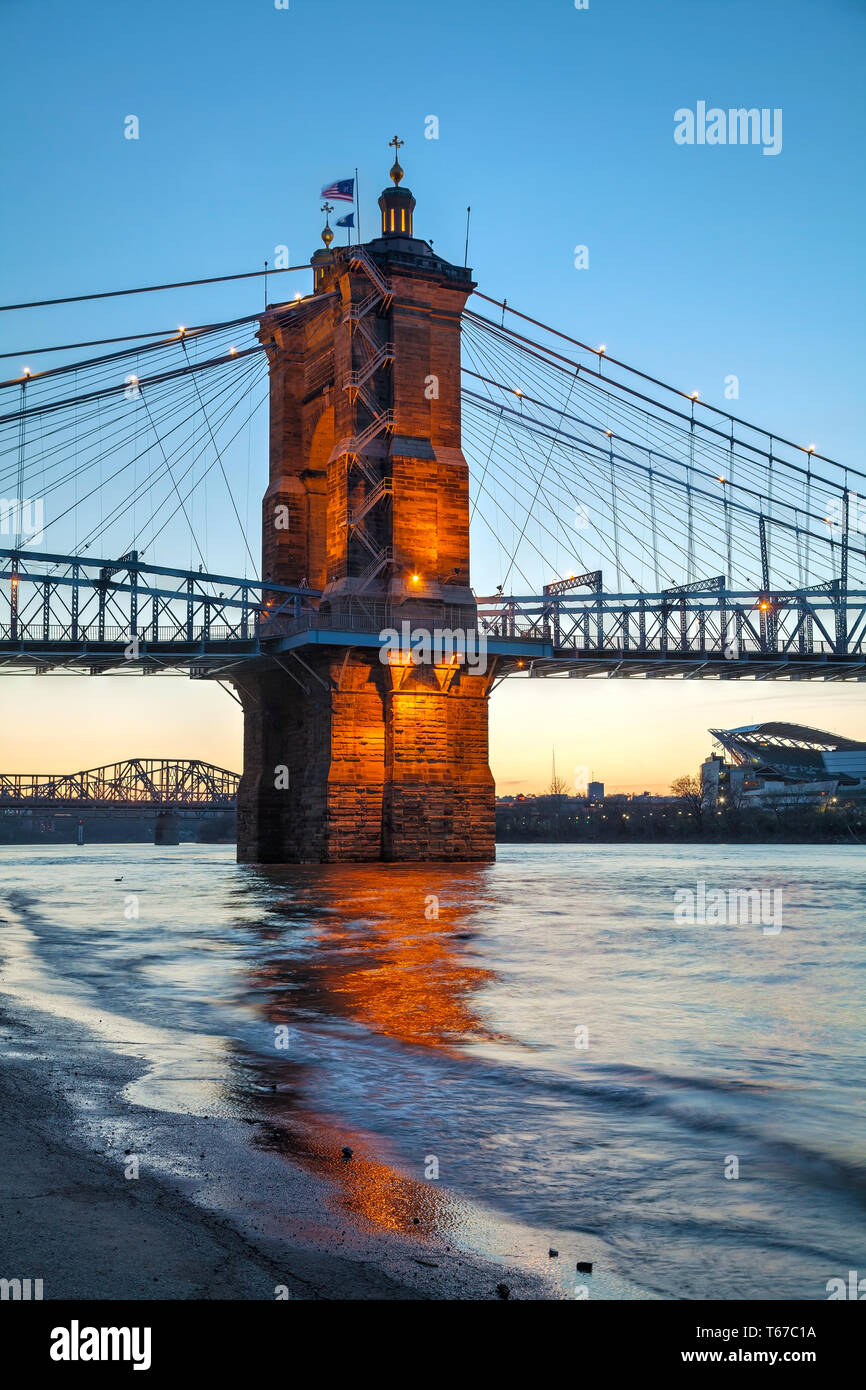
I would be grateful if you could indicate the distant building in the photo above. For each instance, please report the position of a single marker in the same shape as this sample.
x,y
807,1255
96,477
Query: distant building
x,y
595,791
778,763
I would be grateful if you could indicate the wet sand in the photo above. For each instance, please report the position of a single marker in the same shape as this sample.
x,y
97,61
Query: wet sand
x,y
70,1216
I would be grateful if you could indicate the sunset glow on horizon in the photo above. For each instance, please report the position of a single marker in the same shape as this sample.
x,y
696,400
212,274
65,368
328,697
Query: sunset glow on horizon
x,y
633,735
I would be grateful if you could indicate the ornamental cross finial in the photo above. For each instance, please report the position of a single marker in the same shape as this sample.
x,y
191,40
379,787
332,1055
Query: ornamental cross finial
x,y
396,171
327,234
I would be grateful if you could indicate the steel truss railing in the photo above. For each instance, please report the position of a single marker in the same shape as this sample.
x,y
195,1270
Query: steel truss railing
x,y
824,619
99,615
71,599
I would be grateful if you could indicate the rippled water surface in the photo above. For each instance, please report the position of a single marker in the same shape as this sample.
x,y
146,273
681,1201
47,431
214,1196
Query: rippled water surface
x,y
457,1040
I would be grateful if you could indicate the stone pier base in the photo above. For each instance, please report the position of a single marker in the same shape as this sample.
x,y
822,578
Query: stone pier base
x,y
166,830
353,760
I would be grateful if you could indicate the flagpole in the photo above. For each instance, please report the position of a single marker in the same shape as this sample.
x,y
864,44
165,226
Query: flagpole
x,y
358,205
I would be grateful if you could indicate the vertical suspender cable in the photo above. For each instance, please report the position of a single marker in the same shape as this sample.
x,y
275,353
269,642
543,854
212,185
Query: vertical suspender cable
x,y
690,544
19,500
652,494
808,579
770,502
615,515
728,495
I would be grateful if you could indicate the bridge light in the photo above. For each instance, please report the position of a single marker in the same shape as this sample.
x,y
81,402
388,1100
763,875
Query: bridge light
x,y
720,479
233,352
415,578
810,448
298,297
601,349
694,395
609,434
26,372
180,330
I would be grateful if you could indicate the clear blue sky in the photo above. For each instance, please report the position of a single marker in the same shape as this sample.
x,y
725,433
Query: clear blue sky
x,y
555,124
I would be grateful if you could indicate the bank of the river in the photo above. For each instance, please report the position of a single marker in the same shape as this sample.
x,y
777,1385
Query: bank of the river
x,y
76,1221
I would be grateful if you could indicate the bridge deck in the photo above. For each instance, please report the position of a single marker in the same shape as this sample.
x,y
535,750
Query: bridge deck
x,y
98,619
514,656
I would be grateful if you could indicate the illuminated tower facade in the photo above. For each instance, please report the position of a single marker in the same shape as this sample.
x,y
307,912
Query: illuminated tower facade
x,y
353,752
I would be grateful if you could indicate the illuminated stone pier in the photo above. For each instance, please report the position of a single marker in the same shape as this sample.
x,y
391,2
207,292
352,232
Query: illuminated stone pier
x,y
352,752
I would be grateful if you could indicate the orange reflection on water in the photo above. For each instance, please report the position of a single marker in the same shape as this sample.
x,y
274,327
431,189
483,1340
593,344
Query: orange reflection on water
x,y
378,959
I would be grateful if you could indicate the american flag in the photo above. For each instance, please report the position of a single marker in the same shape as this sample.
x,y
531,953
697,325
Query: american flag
x,y
342,189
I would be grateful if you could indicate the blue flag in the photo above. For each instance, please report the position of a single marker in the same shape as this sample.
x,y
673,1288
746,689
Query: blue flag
x,y
347,221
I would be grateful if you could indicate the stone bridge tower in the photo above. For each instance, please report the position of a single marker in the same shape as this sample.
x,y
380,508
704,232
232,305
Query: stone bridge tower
x,y
349,756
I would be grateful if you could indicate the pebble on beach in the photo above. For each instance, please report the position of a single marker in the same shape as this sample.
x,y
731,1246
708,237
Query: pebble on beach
x,y
503,1291
584,1266
347,1152
552,1254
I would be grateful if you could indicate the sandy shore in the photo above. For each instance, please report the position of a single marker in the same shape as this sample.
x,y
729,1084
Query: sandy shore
x,y
71,1217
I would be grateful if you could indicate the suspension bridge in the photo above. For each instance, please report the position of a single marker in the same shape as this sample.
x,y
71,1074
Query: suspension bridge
x,y
622,527
579,464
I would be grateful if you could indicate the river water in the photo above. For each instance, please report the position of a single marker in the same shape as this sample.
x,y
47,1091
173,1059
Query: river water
x,y
540,1051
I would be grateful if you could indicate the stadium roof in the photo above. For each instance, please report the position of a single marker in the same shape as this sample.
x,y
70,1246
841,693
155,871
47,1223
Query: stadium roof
x,y
793,751
776,734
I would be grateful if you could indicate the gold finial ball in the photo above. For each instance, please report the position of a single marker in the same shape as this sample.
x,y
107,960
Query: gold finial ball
x,y
396,172
327,235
